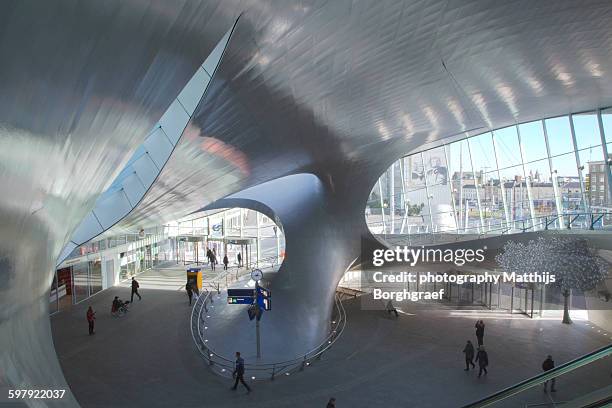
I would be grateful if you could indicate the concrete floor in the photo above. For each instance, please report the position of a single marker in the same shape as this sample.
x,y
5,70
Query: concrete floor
x,y
147,358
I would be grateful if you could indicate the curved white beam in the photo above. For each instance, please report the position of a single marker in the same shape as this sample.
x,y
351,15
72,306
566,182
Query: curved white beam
x,y
146,163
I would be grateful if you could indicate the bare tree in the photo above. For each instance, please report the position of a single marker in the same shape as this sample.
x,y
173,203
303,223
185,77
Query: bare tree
x,y
573,263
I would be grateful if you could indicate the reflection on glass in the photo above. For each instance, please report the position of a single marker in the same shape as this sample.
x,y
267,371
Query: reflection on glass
x,y
54,296
80,282
95,276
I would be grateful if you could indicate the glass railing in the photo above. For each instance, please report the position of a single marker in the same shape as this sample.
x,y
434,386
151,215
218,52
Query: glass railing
x,y
600,220
583,382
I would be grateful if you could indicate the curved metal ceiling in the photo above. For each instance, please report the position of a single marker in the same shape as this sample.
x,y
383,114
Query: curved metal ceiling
x,y
343,86
144,166
82,83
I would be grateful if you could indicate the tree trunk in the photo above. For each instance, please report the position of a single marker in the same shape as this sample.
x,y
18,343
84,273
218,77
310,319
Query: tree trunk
x,y
566,315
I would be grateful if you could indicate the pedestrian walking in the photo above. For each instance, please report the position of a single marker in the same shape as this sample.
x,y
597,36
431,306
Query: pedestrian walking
x,y
547,365
209,256
483,360
91,317
239,258
468,350
135,287
189,290
239,373
331,403
225,262
480,327
213,260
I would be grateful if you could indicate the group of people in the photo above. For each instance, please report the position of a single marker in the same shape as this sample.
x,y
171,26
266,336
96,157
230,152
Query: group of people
x,y
211,255
226,261
483,358
118,308
481,355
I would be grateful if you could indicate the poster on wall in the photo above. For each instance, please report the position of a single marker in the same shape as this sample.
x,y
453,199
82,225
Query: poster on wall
x,y
430,169
436,171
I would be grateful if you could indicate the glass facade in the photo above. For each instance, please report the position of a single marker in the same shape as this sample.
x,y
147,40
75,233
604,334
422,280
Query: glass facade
x,y
551,173
227,232
97,265
84,274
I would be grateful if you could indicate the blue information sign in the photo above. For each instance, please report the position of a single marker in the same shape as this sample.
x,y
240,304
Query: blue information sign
x,y
240,296
263,298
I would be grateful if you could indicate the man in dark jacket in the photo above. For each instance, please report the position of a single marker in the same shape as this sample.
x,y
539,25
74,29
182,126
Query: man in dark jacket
x,y
547,365
480,326
135,287
483,360
189,290
239,373
469,355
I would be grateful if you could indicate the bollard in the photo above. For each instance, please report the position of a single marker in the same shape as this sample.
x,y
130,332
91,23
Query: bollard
x,y
273,372
303,364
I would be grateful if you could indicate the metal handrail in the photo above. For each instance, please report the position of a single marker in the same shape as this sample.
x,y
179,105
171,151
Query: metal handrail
x,y
271,369
543,220
541,378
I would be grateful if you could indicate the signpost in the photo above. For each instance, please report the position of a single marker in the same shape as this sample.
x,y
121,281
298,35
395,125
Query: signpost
x,y
240,296
257,275
258,298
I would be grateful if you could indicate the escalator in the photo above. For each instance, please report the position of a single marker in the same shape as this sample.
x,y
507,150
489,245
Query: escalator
x,y
583,382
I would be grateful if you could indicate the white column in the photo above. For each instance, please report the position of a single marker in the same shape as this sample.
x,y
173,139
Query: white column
x,y
501,182
402,168
585,204
450,187
392,197
427,194
258,243
241,222
382,205
606,165
527,179
477,192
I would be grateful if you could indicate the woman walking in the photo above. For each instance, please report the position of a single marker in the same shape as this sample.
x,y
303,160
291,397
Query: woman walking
x,y
91,317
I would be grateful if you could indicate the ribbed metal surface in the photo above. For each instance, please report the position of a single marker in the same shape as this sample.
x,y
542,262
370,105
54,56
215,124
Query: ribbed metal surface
x,y
342,89
81,85
339,86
